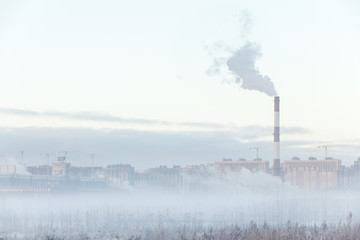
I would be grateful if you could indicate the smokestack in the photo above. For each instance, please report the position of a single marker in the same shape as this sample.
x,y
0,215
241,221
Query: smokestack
x,y
276,171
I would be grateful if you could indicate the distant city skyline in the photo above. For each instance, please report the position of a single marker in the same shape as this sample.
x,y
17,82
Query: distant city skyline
x,y
131,80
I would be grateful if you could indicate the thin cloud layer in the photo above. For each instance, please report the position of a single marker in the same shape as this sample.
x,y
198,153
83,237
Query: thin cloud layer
x,y
245,132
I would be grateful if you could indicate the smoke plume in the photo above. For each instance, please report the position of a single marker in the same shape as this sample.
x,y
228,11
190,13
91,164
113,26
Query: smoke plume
x,y
246,22
241,61
242,65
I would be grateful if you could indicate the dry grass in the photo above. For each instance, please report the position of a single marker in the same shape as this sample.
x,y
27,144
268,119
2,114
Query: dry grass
x,y
343,230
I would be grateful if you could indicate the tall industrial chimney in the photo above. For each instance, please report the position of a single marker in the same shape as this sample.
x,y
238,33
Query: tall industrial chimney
x,y
276,171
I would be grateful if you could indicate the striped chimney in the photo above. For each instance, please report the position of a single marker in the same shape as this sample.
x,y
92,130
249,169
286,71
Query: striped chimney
x,y
276,136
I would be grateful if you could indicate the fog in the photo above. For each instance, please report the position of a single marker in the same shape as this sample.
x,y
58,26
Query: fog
x,y
236,200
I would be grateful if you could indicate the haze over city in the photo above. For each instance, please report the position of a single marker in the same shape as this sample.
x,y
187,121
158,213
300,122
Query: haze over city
x,y
134,82
179,120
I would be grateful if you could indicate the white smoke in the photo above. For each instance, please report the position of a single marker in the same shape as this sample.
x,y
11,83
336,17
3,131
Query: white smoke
x,y
246,22
242,65
241,61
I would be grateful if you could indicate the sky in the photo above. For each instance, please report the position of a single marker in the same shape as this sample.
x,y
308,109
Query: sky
x,y
148,83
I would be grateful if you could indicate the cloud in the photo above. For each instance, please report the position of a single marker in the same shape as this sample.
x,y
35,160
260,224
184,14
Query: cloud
x,y
98,117
89,116
21,112
247,131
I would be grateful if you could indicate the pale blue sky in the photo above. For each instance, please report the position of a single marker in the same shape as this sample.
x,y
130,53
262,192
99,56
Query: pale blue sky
x,y
148,60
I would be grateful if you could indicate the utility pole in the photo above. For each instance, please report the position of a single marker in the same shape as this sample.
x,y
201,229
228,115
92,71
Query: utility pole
x,y
48,162
257,151
325,148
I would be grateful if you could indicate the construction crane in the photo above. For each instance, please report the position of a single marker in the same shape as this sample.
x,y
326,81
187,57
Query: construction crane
x,y
92,164
325,148
257,151
22,157
64,152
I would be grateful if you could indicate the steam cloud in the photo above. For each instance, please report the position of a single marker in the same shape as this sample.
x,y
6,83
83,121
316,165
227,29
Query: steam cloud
x,y
242,64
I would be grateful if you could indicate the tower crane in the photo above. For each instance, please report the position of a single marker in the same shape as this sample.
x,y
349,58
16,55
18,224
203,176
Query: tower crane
x,y
92,164
257,151
325,147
